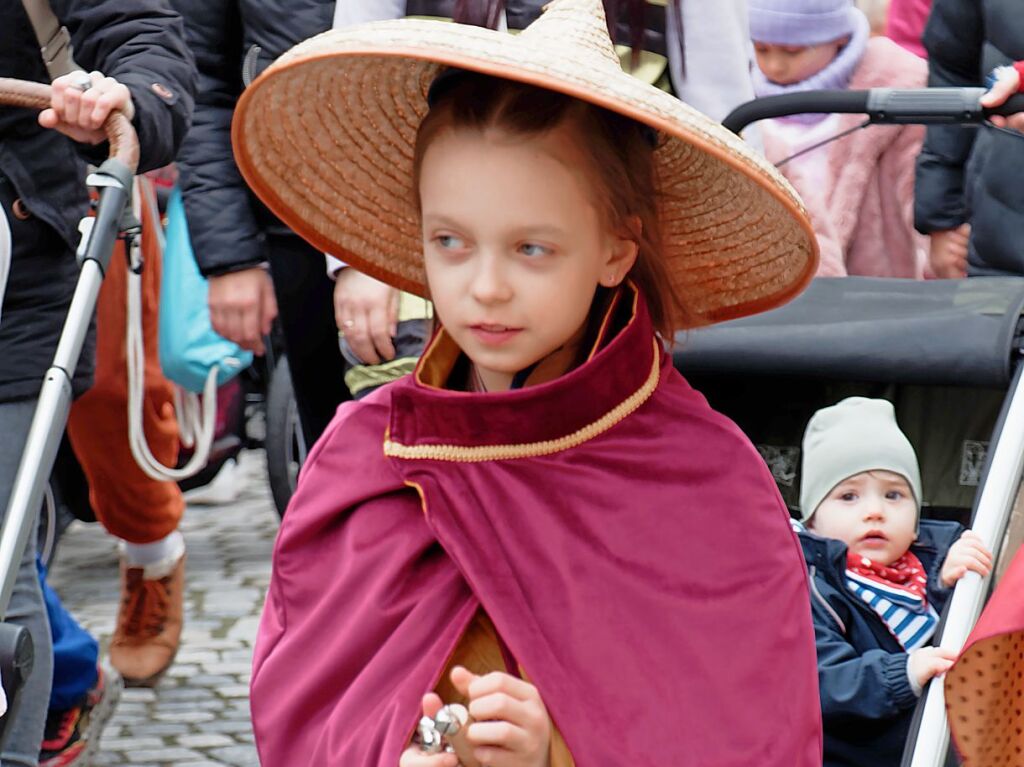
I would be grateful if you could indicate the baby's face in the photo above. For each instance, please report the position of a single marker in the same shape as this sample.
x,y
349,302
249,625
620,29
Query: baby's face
x,y
873,513
789,64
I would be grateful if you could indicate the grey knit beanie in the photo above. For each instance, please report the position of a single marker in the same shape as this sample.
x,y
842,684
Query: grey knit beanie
x,y
851,437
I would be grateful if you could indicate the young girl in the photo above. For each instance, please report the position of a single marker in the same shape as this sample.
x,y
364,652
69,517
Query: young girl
x,y
860,188
545,522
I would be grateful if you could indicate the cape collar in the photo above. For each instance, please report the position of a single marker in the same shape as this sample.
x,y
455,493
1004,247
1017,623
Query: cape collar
x,y
432,423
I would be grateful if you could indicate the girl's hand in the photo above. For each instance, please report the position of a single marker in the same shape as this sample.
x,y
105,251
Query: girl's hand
x,y
928,662
967,554
414,757
80,113
512,727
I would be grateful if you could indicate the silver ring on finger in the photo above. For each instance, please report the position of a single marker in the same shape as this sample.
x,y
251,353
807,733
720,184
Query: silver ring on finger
x,y
82,83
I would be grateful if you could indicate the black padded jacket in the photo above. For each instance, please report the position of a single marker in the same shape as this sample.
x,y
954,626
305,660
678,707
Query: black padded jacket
x,y
233,41
138,42
971,174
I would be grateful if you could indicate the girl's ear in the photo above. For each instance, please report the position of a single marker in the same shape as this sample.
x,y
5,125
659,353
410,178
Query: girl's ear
x,y
625,247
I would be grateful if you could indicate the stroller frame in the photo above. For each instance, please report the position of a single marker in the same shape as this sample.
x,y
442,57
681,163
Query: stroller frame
x,y
929,740
113,179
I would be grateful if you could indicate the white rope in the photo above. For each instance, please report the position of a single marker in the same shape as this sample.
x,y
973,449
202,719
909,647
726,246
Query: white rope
x,y
196,421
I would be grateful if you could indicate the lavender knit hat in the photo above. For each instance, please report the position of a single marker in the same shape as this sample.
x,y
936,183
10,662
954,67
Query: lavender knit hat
x,y
801,22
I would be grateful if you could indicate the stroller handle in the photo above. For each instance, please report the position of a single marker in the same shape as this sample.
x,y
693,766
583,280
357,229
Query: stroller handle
x,y
124,143
892,106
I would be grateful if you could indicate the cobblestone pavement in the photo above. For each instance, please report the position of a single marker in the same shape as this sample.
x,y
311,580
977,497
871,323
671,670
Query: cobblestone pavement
x,y
198,716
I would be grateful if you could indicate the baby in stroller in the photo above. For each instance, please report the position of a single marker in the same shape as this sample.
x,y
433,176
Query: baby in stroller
x,y
880,576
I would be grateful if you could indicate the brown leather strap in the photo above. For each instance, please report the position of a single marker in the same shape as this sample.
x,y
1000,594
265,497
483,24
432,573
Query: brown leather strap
x,y
54,39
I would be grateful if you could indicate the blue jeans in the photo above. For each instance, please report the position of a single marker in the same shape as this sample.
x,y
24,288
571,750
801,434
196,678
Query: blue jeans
x,y
75,652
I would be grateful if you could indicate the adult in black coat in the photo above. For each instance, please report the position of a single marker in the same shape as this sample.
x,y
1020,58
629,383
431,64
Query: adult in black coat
x,y
233,235
147,72
969,176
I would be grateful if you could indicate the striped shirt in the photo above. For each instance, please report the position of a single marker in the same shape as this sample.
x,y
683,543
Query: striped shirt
x,y
910,618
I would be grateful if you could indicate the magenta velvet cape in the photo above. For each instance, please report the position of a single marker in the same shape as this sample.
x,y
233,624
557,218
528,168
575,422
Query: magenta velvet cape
x,y
646,579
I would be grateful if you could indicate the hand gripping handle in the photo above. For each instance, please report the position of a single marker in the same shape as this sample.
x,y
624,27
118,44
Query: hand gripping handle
x,y
124,143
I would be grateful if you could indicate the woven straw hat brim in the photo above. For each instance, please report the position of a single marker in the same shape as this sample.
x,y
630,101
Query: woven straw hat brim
x,y
325,138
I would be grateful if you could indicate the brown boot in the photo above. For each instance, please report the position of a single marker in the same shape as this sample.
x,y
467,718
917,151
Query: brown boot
x,y
148,624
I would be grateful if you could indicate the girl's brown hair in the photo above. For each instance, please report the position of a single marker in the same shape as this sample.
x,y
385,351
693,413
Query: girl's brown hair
x,y
619,152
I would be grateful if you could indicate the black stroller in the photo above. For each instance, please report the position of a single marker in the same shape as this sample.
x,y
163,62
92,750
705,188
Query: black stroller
x,y
946,353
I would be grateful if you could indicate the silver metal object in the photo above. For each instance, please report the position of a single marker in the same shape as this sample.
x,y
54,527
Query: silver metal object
x,y
83,82
54,401
432,733
990,520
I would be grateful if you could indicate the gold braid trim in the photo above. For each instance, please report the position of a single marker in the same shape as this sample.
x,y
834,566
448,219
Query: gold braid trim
x,y
464,454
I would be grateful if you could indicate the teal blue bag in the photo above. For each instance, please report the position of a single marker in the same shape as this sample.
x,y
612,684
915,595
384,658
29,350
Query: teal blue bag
x,y
189,347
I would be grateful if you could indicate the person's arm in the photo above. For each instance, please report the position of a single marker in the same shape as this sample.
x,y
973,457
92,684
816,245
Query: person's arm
x,y
953,37
221,219
141,44
874,684
365,309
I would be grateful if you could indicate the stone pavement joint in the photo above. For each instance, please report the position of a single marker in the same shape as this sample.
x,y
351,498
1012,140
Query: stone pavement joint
x,y
198,716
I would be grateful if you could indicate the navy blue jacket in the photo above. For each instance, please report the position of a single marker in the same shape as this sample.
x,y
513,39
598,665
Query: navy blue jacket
x,y
866,698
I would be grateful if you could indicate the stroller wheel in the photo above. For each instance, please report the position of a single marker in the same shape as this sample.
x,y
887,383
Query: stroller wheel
x,y
284,443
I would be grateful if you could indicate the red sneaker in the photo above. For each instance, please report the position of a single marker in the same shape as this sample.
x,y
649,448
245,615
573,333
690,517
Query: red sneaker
x,y
72,735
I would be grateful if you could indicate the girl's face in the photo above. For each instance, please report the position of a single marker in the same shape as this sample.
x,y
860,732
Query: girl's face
x,y
874,513
789,64
514,245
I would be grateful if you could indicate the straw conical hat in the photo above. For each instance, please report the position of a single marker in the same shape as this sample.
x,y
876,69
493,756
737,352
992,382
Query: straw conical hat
x,y
325,138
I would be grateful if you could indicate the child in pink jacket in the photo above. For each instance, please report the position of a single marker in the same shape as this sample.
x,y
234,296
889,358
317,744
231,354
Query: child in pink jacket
x,y
859,189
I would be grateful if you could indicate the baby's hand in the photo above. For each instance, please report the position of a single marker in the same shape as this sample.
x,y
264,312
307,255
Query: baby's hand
x,y
968,553
928,662
512,727
414,757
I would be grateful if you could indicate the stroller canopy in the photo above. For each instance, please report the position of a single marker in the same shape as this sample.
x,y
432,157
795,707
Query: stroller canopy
x,y
937,332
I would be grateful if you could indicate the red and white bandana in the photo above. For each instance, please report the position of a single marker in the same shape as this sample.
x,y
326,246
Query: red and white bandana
x,y
906,574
